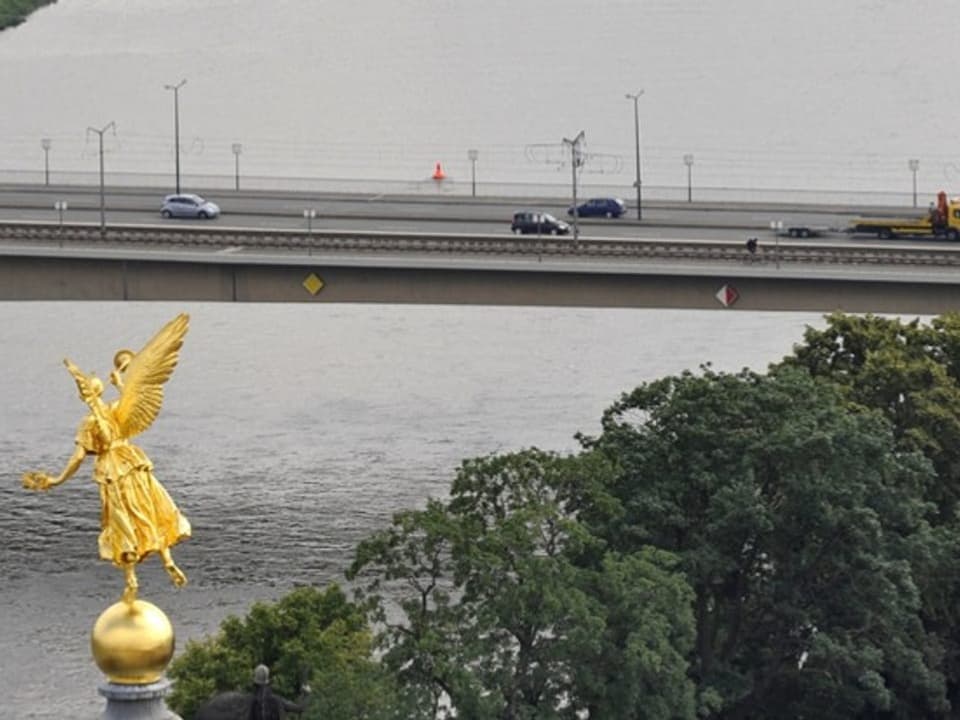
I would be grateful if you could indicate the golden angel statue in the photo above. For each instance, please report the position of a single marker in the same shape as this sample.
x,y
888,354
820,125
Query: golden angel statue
x,y
137,516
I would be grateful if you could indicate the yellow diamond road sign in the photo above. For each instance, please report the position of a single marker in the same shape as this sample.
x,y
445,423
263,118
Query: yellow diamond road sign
x,y
313,284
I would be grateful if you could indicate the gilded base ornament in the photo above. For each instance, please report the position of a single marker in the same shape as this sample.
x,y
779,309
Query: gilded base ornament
x,y
138,517
132,642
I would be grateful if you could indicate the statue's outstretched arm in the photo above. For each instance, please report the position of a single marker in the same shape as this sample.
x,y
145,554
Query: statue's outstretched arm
x,y
42,481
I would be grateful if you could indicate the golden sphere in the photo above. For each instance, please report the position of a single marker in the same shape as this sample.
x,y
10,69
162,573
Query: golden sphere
x,y
132,643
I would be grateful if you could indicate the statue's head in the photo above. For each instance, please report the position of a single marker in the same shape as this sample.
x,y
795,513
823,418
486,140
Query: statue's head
x,y
261,675
96,386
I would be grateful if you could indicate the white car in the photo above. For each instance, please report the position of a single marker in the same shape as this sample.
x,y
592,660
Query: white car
x,y
188,205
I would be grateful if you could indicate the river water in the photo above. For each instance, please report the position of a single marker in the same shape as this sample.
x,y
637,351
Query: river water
x,y
774,94
288,433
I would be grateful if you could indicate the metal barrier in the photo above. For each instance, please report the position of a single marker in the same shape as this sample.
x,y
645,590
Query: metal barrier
x,y
427,244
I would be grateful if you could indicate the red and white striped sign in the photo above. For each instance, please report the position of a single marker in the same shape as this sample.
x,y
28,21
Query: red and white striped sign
x,y
727,295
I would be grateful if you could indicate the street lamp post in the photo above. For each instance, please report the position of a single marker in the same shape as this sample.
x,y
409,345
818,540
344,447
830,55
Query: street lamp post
x,y
688,161
237,149
576,159
473,155
110,125
636,131
914,165
45,144
176,125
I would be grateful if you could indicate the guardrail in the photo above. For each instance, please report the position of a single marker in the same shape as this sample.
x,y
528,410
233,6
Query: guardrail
x,y
429,244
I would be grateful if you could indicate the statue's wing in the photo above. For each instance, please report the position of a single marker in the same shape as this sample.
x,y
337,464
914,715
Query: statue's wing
x,y
143,380
83,381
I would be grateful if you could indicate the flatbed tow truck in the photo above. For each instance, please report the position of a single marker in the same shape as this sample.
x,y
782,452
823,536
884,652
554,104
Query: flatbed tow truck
x,y
942,221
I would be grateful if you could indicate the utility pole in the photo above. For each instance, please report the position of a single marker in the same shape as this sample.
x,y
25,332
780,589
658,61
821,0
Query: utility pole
x,y
110,125
176,125
576,160
636,132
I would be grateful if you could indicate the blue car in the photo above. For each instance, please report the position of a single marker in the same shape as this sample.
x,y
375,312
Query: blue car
x,y
600,207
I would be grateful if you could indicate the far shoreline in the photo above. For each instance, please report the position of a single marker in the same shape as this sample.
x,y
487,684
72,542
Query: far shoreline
x,y
14,12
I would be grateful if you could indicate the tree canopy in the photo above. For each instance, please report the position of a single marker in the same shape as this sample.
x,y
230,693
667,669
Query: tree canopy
x,y
793,520
499,621
910,373
308,638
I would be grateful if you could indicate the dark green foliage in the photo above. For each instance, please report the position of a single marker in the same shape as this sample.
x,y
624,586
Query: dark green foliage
x,y
794,521
500,621
309,637
14,12
907,371
910,373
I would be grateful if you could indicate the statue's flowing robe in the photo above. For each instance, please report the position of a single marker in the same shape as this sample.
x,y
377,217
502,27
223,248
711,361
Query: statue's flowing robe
x,y
137,516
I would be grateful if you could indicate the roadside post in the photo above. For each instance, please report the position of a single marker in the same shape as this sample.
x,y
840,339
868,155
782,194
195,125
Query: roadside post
x,y
60,206
776,226
310,214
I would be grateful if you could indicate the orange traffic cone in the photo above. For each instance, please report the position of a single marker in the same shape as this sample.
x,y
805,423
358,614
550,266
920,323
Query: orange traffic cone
x,y
438,173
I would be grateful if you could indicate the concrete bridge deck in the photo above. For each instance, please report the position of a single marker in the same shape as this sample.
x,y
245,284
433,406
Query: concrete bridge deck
x,y
137,264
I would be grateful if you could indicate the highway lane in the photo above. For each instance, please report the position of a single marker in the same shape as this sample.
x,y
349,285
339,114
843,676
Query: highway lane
x,y
588,230
442,214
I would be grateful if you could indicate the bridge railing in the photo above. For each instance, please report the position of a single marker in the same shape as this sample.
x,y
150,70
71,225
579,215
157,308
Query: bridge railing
x,y
26,235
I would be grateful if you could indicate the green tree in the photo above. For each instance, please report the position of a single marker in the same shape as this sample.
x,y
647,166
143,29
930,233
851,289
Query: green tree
x,y
497,619
309,637
793,520
406,572
909,372
635,666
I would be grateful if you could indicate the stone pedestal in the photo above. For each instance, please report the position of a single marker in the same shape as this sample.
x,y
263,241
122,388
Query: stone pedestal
x,y
137,702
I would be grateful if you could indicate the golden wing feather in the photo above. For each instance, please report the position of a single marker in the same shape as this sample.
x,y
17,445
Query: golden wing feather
x,y
143,379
